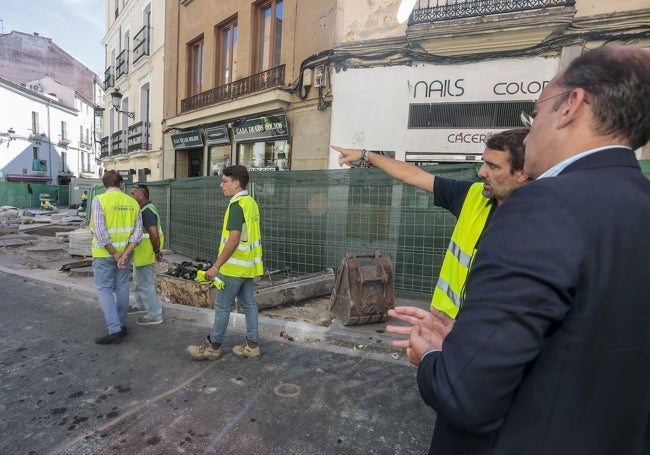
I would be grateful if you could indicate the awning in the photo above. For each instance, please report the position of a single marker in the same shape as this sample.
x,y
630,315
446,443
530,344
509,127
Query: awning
x,y
27,178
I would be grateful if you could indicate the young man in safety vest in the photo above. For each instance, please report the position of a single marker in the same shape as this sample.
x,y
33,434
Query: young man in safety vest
x,y
116,225
471,202
145,255
238,263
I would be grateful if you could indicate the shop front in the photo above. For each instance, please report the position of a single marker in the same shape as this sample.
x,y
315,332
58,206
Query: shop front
x,y
263,143
217,138
188,149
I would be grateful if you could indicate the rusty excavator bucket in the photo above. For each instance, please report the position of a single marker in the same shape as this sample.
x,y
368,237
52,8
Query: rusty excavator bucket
x,y
363,290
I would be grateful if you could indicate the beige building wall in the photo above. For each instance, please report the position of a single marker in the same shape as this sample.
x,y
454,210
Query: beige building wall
x,y
308,28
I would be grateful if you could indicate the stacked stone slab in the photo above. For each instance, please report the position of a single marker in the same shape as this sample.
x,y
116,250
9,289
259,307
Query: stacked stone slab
x,y
79,242
9,220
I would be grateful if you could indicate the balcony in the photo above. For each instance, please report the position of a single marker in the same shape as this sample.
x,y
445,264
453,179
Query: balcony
x,y
457,27
122,64
104,147
273,77
139,136
475,8
109,78
118,143
141,44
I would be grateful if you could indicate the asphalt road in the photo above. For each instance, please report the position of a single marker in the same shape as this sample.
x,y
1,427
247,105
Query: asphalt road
x,y
60,393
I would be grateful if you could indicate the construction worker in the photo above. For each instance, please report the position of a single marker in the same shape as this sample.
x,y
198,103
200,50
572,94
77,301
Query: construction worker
x,y
116,225
471,202
238,263
84,201
145,256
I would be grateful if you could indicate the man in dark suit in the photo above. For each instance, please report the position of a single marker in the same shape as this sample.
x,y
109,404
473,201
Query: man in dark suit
x,y
551,350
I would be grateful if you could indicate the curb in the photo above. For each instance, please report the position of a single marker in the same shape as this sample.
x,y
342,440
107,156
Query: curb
x,y
361,337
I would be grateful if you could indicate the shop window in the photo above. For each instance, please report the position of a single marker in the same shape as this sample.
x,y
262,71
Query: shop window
x,y
195,67
269,34
219,159
227,58
265,156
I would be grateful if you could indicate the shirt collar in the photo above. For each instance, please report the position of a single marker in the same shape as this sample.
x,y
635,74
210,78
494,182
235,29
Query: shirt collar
x,y
559,167
241,193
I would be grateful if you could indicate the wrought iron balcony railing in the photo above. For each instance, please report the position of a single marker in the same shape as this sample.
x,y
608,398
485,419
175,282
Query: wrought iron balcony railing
x,y
118,143
122,64
139,136
109,78
428,11
273,77
141,43
104,147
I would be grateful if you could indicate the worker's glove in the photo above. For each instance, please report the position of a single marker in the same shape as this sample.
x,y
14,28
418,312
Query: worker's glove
x,y
200,277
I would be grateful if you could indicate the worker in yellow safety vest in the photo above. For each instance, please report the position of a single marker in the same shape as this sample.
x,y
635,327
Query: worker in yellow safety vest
x,y
116,225
145,256
239,261
471,202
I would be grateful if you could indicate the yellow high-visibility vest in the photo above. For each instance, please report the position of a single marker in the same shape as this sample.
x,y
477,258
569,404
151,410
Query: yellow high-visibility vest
x,y
246,261
448,294
143,253
120,213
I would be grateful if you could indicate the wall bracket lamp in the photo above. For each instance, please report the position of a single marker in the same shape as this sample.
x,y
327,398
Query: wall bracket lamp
x,y
117,101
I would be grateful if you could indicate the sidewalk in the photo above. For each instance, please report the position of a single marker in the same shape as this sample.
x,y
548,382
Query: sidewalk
x,y
43,266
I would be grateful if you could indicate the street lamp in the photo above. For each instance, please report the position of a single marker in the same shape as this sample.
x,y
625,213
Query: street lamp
x,y
11,134
117,102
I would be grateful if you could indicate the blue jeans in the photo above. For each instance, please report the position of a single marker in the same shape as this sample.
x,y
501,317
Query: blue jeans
x,y
145,290
243,289
112,286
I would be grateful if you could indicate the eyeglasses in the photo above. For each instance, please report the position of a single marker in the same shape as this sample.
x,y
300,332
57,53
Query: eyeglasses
x,y
527,119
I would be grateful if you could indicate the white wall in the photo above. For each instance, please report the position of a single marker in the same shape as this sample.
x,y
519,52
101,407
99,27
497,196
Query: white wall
x,y
17,155
371,105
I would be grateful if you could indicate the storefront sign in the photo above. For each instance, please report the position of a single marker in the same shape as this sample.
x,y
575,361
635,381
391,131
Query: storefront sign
x,y
187,140
217,135
270,127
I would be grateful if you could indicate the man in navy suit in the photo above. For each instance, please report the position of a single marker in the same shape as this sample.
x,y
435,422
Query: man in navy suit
x,y
551,350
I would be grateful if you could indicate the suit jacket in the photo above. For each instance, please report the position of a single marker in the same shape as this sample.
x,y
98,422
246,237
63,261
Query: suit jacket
x,y
551,350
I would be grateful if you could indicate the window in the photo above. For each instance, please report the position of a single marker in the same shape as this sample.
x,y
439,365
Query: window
x,y
64,131
195,66
489,114
269,31
35,129
227,57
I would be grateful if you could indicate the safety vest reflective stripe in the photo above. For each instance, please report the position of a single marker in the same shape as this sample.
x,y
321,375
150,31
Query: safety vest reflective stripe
x,y
115,244
244,263
448,294
243,247
120,230
462,257
444,286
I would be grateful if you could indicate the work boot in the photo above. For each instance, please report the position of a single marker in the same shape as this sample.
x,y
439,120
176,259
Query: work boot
x,y
248,350
206,351
111,338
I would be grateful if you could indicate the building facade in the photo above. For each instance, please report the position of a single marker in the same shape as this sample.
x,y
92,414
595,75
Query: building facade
x,y
432,89
44,139
133,81
244,85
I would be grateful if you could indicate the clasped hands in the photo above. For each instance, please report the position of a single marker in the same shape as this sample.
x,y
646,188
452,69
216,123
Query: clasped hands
x,y
427,330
